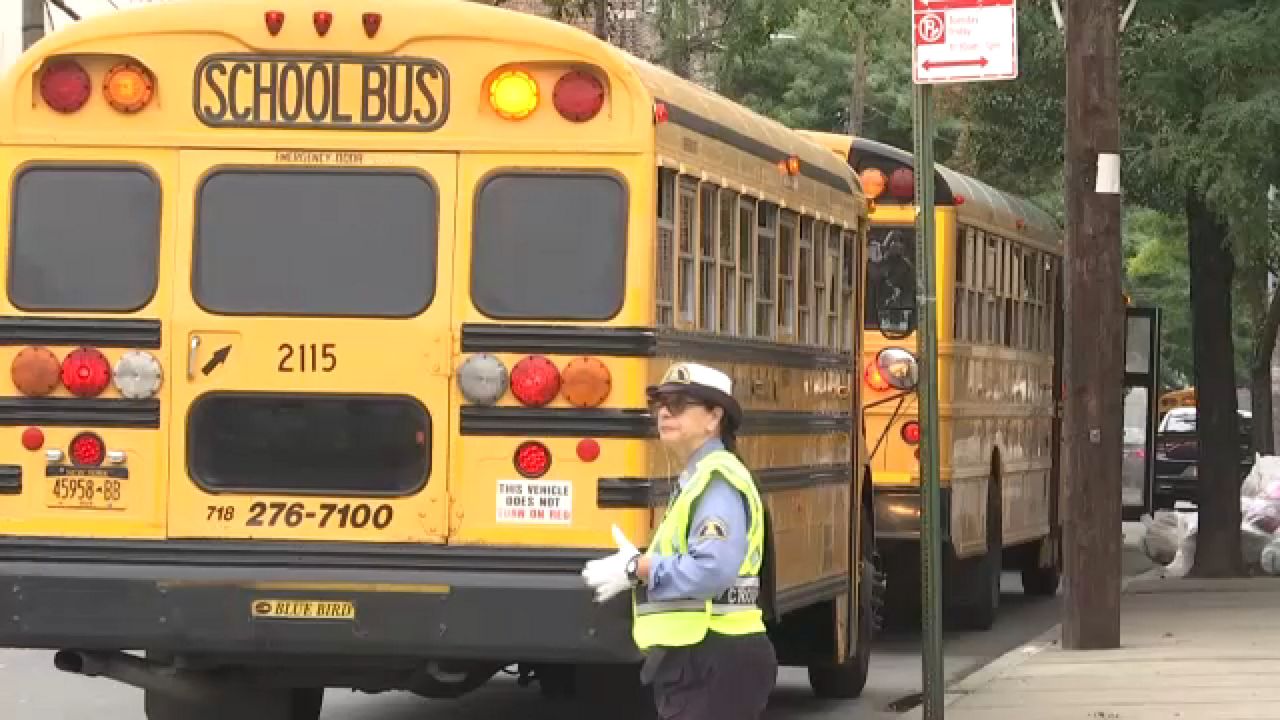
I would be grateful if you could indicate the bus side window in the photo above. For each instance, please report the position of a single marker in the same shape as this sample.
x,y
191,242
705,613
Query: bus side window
x,y
708,214
728,261
851,261
766,268
746,265
665,265
804,283
787,275
687,208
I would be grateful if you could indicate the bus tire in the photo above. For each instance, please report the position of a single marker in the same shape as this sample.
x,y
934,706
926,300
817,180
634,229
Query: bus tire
x,y
974,587
1041,581
847,679
283,704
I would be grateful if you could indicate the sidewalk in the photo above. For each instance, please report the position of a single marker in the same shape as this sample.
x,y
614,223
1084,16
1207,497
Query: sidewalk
x,y
1190,649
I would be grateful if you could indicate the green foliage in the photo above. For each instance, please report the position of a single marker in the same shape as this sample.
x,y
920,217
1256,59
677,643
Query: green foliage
x,y
1157,275
1016,129
722,30
803,77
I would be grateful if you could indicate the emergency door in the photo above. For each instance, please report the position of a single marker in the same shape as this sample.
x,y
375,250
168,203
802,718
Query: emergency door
x,y
312,346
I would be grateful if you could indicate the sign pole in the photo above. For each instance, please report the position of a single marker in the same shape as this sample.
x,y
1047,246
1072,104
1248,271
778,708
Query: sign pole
x,y
952,41
927,351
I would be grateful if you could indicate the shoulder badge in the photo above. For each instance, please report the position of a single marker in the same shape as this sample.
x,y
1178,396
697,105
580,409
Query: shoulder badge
x,y
713,529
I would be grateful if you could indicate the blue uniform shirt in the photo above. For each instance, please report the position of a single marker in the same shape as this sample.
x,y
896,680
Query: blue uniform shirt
x,y
717,541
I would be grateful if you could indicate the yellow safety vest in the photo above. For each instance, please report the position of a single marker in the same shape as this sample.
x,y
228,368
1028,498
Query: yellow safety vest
x,y
736,611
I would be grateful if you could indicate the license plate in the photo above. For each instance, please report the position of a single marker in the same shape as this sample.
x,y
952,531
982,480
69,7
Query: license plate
x,y
94,493
303,609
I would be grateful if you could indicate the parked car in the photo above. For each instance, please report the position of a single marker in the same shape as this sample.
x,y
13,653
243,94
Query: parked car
x,y
1178,451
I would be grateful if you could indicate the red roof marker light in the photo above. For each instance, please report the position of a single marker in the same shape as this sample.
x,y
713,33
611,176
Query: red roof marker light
x,y
275,21
371,21
323,21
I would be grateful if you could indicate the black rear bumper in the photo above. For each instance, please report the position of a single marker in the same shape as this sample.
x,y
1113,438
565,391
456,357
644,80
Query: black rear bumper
x,y
197,597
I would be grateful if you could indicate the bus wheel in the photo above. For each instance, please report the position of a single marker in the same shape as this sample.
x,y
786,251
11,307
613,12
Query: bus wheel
x,y
973,585
848,679
287,704
1037,580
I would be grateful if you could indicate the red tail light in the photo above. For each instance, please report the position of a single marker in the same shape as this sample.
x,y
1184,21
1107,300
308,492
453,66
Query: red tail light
x,y
588,450
88,449
911,432
372,21
323,21
533,459
578,96
874,379
275,21
86,372
32,438
535,381
65,86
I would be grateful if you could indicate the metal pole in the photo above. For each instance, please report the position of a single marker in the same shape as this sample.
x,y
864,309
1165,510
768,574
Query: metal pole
x,y
927,351
32,22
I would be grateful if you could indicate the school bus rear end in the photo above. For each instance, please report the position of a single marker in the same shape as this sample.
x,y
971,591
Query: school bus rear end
x,y
267,400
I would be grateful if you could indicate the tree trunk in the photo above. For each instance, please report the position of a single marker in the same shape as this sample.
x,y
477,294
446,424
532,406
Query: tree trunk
x,y
858,82
601,29
1217,423
1266,327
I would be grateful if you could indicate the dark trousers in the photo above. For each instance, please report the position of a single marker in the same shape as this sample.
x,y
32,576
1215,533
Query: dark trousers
x,y
724,677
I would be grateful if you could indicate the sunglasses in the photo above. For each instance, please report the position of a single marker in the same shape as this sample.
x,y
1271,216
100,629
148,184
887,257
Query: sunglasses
x,y
675,403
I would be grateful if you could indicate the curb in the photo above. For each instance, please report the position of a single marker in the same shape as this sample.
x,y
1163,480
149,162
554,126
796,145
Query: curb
x,y
994,670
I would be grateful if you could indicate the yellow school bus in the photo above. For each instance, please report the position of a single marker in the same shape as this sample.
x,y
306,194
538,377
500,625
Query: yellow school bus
x,y
329,326
1184,397
999,264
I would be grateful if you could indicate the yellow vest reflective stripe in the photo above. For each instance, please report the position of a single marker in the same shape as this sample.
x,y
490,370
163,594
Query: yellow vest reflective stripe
x,y
736,611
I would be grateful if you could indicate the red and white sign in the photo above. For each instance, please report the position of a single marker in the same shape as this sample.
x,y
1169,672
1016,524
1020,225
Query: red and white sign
x,y
964,41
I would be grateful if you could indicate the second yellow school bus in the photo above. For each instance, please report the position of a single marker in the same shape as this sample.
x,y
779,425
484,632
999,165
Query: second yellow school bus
x,y
328,327
999,265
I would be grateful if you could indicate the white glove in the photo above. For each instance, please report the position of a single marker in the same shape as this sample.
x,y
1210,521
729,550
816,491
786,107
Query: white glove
x,y
608,575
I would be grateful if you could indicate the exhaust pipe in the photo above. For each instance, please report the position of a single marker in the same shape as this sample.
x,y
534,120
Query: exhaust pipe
x,y
135,671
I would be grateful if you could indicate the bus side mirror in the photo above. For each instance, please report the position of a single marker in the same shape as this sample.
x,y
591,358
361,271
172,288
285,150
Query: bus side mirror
x,y
897,323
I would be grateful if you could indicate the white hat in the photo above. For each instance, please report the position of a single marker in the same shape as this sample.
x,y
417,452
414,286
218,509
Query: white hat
x,y
702,382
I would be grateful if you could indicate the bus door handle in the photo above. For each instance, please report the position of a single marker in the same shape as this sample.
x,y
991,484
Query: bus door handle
x,y
191,357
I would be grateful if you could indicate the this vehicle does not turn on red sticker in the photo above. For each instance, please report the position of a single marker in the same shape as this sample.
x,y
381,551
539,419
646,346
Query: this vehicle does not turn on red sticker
x,y
535,502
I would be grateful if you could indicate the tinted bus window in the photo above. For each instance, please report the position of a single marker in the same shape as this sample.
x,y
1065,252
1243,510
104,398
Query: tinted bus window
x,y
550,246
891,272
84,238
332,243
310,444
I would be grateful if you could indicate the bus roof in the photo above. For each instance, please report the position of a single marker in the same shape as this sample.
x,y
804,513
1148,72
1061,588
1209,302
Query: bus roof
x,y
715,115
981,201
239,26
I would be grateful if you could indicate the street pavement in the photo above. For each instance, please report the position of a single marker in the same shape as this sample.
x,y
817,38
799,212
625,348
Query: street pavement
x,y
31,689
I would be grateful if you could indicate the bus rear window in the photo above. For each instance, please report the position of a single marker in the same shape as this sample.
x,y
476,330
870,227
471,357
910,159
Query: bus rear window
x,y
550,246
891,273
309,444
84,238
316,242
